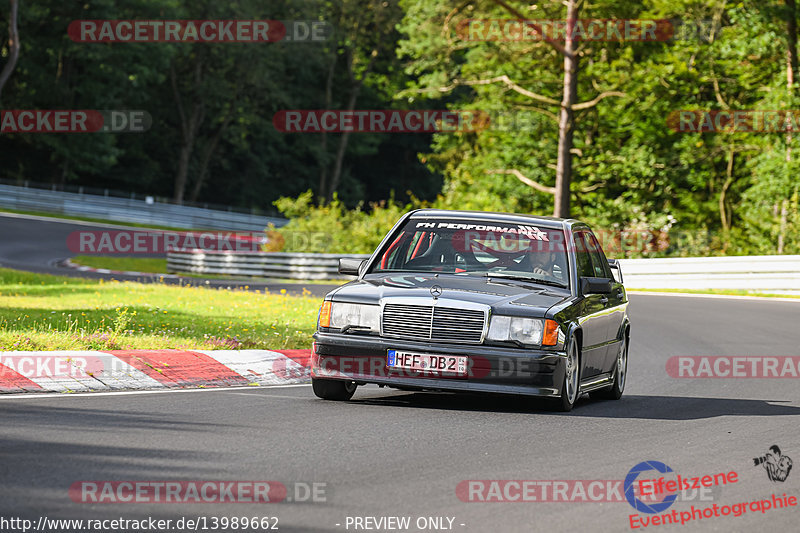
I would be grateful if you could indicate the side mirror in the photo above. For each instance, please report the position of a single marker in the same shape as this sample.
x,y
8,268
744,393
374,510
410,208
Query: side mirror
x,y
616,270
595,286
350,266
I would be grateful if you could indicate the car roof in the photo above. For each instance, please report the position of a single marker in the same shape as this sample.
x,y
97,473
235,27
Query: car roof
x,y
514,218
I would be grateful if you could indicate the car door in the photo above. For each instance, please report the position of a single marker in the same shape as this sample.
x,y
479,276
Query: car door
x,y
592,314
614,303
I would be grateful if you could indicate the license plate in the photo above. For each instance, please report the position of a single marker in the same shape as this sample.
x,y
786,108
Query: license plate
x,y
426,363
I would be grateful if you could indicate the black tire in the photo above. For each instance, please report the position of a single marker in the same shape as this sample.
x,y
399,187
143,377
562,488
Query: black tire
x,y
333,389
614,392
570,389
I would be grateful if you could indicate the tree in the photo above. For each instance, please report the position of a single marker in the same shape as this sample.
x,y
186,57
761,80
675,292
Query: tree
x,y
360,42
13,45
481,65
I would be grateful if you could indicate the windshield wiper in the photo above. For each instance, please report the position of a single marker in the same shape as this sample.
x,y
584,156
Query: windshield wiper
x,y
524,278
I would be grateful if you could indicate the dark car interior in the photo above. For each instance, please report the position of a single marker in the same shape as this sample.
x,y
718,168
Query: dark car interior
x,y
451,252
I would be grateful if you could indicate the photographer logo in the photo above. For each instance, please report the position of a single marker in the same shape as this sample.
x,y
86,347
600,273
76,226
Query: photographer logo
x,y
777,466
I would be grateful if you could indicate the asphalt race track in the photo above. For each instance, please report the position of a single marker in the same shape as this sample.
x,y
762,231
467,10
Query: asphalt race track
x,y
392,453
38,244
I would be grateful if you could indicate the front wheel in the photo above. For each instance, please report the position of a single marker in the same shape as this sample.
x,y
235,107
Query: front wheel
x,y
333,389
620,375
572,379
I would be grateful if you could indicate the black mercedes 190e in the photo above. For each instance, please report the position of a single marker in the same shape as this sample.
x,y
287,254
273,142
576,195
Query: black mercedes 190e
x,y
477,302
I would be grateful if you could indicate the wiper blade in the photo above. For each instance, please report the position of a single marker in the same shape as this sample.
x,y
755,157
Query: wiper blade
x,y
525,278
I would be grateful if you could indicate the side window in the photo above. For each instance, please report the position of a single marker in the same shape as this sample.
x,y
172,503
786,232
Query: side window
x,y
395,254
599,261
414,246
585,269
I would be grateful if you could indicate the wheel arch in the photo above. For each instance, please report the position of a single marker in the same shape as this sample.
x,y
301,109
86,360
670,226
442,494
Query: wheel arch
x,y
575,330
624,330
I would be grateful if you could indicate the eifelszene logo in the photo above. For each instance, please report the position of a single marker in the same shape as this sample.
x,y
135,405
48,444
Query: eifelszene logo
x,y
630,486
777,466
657,494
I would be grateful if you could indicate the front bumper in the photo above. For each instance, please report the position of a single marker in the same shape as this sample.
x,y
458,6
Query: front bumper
x,y
496,369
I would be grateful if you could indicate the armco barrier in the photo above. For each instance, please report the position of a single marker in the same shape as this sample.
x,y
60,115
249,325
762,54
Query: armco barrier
x,y
130,210
771,273
263,265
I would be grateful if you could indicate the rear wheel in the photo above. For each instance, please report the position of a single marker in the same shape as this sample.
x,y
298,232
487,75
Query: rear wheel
x,y
620,375
572,379
333,389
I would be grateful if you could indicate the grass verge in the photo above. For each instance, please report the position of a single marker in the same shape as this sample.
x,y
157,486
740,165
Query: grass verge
x,y
725,292
155,265
43,312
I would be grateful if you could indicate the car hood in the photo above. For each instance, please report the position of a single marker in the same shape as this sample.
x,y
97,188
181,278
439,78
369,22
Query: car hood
x,y
504,296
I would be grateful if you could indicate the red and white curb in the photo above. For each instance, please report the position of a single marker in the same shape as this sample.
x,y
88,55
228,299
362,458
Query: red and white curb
x,y
84,371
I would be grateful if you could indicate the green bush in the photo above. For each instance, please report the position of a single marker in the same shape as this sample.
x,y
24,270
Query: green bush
x,y
332,228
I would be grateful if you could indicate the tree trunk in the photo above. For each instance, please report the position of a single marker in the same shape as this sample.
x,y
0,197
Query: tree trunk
x,y
211,147
791,30
13,46
189,127
351,105
724,216
322,192
791,68
203,170
566,118
183,172
336,176
782,232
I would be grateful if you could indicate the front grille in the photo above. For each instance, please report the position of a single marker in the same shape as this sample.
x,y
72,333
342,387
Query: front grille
x,y
425,322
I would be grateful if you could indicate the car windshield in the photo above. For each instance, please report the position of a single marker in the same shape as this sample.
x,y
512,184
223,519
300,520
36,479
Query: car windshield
x,y
477,247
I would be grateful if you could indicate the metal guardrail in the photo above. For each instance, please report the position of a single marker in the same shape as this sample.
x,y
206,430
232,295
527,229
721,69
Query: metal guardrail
x,y
130,210
771,273
284,265
768,273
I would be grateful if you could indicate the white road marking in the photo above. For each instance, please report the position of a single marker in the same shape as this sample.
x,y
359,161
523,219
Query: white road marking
x,y
256,395
111,225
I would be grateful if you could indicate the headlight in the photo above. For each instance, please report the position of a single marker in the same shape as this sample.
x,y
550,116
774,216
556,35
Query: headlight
x,y
511,328
345,316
